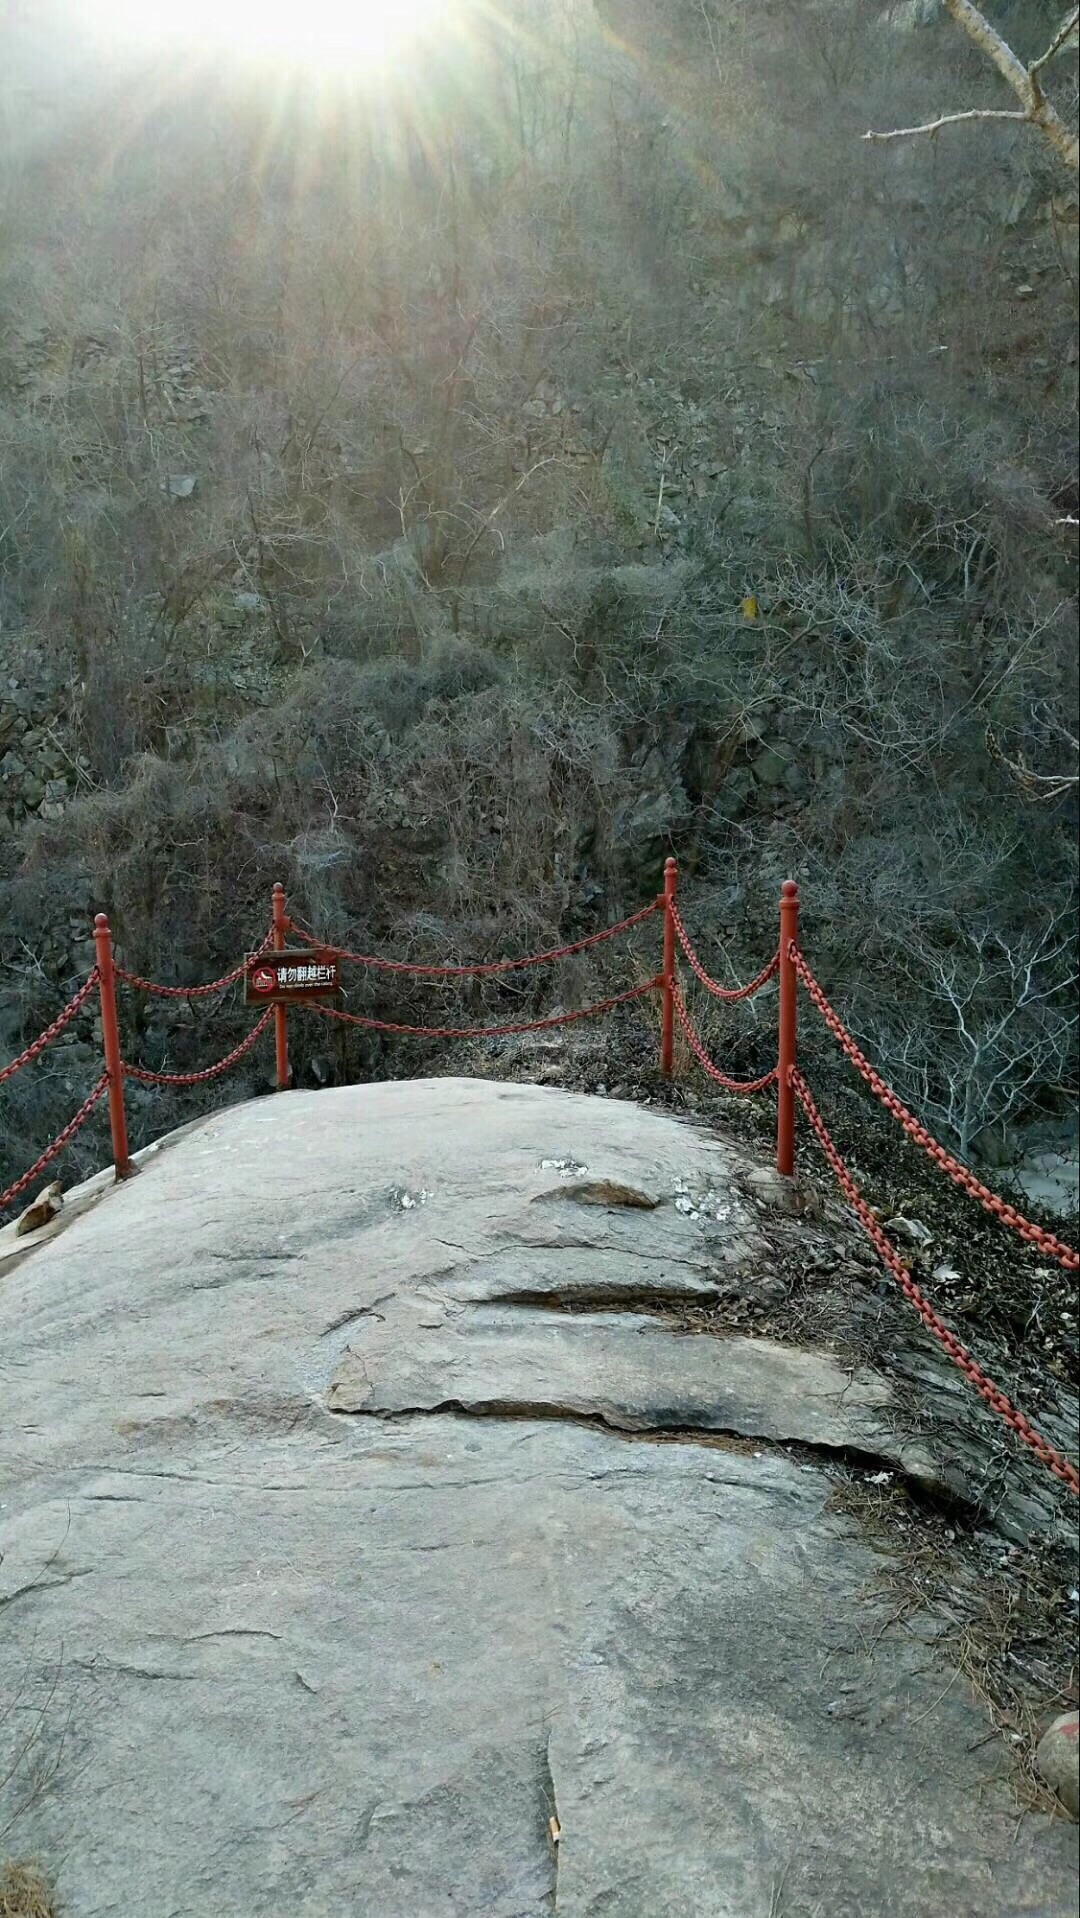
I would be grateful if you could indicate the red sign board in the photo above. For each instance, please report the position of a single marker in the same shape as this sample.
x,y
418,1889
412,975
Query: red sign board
x,y
281,978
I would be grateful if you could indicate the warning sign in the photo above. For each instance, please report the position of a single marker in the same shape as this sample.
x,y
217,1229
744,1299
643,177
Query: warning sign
x,y
276,978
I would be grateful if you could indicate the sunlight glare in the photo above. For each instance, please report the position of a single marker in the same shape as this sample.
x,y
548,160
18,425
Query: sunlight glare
x,y
326,34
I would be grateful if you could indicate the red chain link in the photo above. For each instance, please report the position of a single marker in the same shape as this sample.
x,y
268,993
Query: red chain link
x,y
959,1354
959,1174
721,992
483,1032
195,992
478,971
703,1059
58,1143
51,1032
147,1078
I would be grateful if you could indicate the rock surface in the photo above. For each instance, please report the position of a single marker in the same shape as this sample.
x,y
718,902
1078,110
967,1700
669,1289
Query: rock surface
x,y
1059,1760
361,1515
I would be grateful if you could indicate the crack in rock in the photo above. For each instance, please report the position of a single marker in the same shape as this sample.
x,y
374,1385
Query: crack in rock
x,y
553,1823
664,1431
584,1298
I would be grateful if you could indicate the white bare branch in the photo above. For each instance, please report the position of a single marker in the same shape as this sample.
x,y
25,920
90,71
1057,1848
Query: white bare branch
x,y
946,120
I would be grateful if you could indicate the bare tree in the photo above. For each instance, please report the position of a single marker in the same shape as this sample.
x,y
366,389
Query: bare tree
x,y
998,1025
1025,81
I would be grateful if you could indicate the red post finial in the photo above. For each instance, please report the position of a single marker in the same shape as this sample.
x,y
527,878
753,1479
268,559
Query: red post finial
x,y
667,1004
110,1041
787,1042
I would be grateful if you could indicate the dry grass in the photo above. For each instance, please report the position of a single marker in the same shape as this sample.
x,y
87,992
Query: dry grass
x,y
1004,1627
24,1892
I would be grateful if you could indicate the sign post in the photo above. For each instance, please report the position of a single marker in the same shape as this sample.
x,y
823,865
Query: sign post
x,y
281,1021
279,977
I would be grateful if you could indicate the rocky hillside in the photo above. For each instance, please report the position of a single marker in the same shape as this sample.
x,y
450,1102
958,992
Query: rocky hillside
x,y
452,502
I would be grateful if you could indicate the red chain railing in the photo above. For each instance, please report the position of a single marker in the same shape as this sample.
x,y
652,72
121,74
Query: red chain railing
x,y
488,969
998,1400
159,991
729,993
793,1089
148,1078
58,1144
64,1018
712,1071
103,978
959,1174
485,1032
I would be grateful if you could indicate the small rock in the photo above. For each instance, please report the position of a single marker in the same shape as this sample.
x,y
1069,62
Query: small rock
x,y
45,1207
603,1192
769,767
179,485
911,1230
1058,1759
772,1189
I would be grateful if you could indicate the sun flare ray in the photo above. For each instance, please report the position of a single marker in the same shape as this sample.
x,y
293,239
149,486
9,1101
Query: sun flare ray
x,y
325,34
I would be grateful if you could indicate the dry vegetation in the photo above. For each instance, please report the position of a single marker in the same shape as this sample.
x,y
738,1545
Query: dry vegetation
x,y
24,1892
380,484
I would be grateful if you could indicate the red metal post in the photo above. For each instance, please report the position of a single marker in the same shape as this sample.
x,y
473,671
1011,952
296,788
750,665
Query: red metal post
x,y
789,995
110,1035
667,1013
281,1015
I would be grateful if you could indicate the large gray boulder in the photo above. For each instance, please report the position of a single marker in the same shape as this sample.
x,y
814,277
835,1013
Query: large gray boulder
x,y
377,1540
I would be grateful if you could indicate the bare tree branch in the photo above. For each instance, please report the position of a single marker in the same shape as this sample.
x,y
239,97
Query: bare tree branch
x,y
946,120
1035,785
1065,31
1024,81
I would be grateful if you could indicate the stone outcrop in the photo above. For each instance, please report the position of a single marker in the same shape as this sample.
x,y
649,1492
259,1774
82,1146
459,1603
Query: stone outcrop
x,y
380,1535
